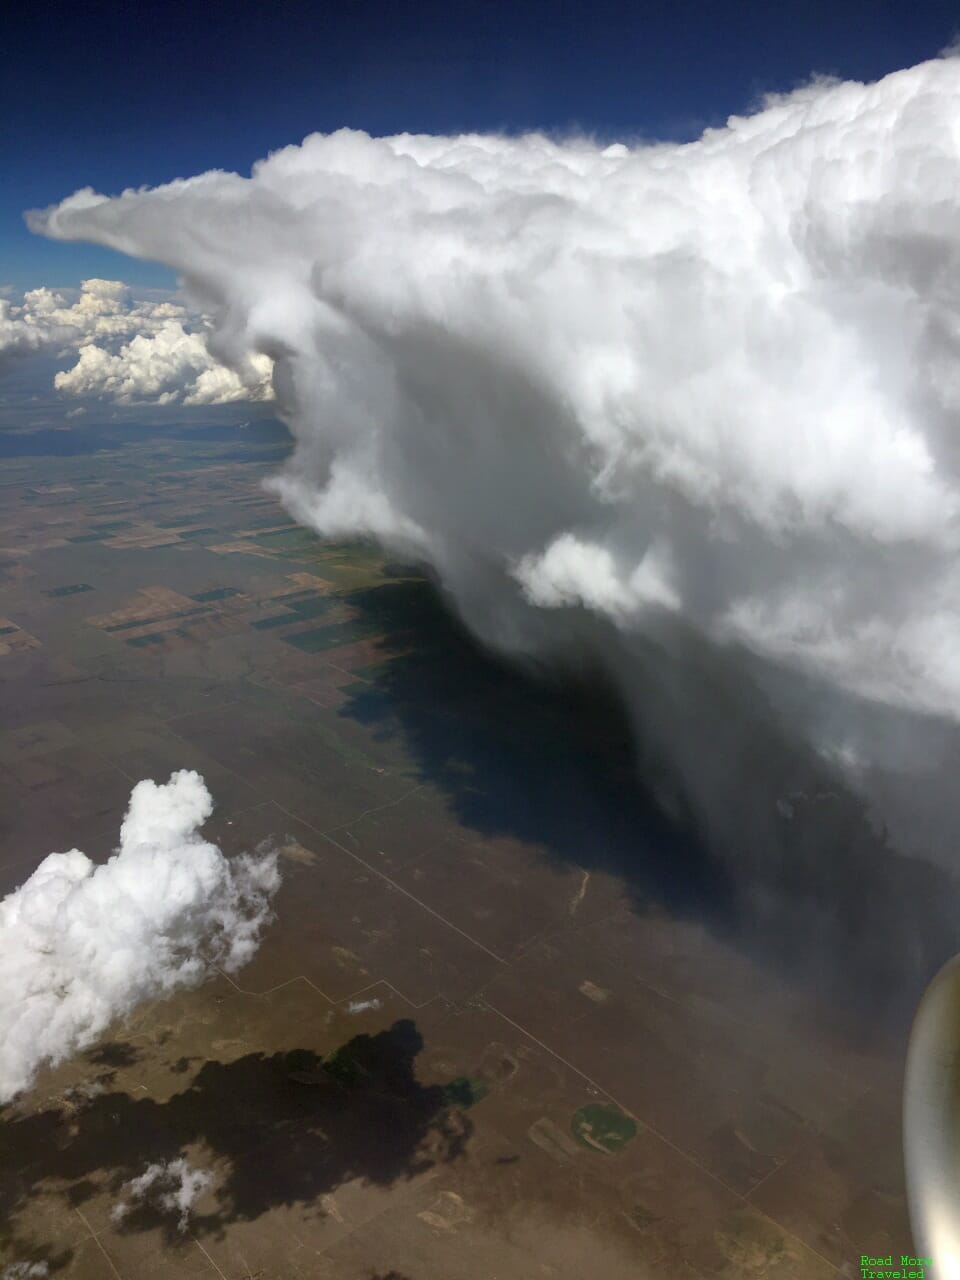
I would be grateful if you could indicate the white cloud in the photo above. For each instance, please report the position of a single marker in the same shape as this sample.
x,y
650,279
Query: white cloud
x,y
133,351
167,365
170,1186
572,571
362,1006
18,337
81,944
719,379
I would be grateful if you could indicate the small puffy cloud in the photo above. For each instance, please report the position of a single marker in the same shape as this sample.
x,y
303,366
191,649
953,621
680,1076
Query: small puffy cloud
x,y
362,1006
572,571
168,1187
133,351
81,944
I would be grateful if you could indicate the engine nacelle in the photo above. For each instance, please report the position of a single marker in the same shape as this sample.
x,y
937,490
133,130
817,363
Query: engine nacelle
x,y
931,1123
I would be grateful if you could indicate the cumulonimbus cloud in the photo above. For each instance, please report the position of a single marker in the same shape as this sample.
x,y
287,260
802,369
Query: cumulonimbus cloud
x,y
81,944
693,407
130,350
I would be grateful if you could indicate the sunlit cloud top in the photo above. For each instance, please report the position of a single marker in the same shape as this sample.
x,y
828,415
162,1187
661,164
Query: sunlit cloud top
x,y
126,349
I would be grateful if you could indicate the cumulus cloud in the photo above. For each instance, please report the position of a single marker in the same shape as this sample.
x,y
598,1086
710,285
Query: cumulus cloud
x,y
134,351
168,365
81,944
572,571
18,337
101,309
169,1187
692,408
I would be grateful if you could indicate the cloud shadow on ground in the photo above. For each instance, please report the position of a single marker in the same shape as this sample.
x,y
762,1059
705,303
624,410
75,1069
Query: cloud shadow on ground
x,y
551,757
291,1127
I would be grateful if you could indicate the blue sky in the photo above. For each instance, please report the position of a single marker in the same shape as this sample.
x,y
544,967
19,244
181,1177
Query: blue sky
x,y
114,95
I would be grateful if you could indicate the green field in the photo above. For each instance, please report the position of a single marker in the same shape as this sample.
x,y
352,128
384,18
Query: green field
x,y
603,1127
466,1091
